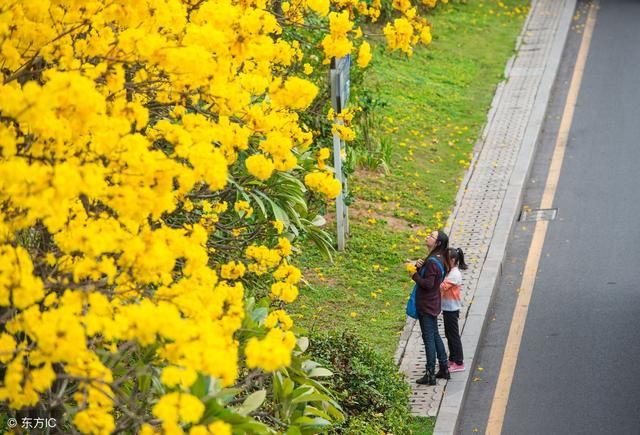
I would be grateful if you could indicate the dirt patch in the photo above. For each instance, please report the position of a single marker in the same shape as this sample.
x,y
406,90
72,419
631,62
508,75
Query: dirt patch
x,y
364,174
314,277
394,223
362,210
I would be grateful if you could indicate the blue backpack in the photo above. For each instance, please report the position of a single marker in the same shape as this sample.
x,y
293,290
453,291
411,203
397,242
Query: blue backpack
x,y
412,309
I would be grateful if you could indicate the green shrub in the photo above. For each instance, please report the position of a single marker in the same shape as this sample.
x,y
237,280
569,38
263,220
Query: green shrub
x,y
372,392
370,150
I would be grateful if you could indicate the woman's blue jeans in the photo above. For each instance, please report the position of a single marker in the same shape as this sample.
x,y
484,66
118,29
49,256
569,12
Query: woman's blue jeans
x,y
433,344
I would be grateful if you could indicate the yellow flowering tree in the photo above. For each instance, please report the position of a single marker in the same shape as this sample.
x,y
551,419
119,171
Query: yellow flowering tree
x,y
154,171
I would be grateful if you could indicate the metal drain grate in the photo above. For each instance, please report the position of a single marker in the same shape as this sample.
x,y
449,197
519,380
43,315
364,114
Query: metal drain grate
x,y
538,214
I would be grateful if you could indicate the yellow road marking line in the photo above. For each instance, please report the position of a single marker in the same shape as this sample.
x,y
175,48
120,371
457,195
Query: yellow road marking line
x,y
510,357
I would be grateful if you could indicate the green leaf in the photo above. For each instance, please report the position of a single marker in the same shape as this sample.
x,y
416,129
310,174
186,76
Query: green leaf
x,y
260,203
252,402
277,384
303,343
249,304
320,372
259,314
309,365
293,430
318,221
213,410
321,239
303,420
228,394
311,410
278,212
253,427
200,388
309,423
307,394
287,387
264,302
144,382
215,387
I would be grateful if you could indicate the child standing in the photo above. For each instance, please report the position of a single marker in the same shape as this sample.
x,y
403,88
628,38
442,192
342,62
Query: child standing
x,y
451,305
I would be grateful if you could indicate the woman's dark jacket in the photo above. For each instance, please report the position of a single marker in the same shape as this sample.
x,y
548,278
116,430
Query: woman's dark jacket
x,y
428,294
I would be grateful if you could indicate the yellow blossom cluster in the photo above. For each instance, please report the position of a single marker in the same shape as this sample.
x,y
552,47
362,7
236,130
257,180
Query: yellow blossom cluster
x,y
337,43
260,166
284,291
264,259
232,270
173,376
344,132
319,6
294,93
323,182
410,29
272,352
278,317
174,408
284,247
433,3
288,273
322,155
400,35
243,208
18,286
364,54
278,225
139,144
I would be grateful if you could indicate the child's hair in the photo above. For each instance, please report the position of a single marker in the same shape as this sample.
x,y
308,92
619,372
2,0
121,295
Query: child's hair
x,y
457,256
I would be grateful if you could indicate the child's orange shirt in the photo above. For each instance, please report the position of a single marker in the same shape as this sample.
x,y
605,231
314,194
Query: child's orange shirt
x,y
450,291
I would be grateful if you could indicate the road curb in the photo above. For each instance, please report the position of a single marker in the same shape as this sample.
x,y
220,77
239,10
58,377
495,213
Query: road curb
x,y
456,389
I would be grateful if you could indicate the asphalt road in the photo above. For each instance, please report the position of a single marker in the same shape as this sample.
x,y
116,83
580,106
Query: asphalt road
x,y
578,369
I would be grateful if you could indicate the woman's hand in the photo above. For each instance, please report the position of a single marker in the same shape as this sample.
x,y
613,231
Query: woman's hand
x,y
419,263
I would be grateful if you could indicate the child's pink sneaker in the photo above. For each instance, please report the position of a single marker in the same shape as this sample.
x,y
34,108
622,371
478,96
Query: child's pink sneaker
x,y
453,367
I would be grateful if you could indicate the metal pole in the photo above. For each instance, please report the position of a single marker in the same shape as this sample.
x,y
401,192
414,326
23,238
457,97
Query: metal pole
x,y
339,79
345,192
340,207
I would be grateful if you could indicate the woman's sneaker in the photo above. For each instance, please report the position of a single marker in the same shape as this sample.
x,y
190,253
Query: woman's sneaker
x,y
453,367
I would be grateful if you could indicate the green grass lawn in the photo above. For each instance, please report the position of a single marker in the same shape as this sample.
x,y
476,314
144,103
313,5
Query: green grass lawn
x,y
422,425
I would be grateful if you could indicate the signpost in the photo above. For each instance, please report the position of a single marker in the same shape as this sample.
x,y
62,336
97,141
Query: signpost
x,y
339,79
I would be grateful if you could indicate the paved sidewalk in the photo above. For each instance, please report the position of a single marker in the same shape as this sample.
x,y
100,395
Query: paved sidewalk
x,y
488,202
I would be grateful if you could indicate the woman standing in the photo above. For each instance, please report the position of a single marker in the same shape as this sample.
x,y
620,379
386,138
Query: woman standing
x,y
428,276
